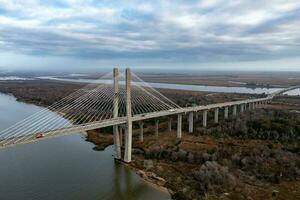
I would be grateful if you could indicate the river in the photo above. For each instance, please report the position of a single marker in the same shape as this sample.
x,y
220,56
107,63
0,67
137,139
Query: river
x,y
202,88
64,168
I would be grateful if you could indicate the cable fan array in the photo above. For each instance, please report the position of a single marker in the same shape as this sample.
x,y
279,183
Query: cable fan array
x,y
90,104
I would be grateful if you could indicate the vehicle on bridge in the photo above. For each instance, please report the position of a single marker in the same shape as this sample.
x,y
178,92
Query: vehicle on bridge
x,y
39,135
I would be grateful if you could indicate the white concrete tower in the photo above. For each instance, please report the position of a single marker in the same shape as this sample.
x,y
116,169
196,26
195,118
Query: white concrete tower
x,y
128,132
117,143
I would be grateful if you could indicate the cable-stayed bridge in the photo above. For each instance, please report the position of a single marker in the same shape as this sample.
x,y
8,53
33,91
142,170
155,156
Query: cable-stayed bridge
x,y
123,99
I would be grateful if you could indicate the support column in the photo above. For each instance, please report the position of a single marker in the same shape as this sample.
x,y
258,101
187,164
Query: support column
x,y
191,122
242,108
116,137
216,115
141,124
156,127
204,118
128,132
121,136
170,124
179,126
234,110
226,112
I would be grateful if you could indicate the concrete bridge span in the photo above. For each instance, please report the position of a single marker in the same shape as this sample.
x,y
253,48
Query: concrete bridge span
x,y
234,107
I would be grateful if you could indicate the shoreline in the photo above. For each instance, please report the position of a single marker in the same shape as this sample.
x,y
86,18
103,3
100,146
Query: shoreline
x,y
150,180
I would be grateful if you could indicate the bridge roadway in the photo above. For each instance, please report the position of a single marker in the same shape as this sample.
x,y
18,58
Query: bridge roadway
x,y
122,120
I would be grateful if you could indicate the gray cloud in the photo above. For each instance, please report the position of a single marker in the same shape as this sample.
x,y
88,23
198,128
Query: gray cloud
x,y
202,31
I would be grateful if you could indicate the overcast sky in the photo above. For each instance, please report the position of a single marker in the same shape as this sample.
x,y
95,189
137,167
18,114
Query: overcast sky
x,y
207,34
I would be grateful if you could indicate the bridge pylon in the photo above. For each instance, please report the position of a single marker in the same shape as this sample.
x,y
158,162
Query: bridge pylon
x,y
128,133
116,133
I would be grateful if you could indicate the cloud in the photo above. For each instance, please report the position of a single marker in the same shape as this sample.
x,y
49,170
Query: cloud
x,y
202,31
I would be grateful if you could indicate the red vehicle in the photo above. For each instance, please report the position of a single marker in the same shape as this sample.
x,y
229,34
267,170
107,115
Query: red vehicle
x,y
39,135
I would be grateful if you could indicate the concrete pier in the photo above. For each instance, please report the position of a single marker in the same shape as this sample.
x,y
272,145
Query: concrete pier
x,y
170,124
141,124
242,108
226,112
179,125
156,127
116,137
204,118
121,135
234,111
191,122
216,115
128,132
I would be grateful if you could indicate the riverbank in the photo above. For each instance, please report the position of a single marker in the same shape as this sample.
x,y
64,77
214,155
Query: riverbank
x,y
206,78
228,79
103,140
46,92
39,92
